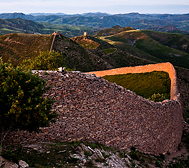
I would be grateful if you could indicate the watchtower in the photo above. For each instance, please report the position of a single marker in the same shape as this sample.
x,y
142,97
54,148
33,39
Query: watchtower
x,y
85,34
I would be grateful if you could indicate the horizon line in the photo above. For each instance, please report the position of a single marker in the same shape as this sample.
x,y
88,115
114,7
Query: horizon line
x,y
58,13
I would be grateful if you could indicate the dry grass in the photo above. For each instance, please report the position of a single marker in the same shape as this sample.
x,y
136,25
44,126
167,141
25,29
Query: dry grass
x,y
17,46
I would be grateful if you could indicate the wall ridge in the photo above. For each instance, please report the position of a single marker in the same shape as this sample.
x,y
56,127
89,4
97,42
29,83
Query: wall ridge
x,y
56,33
167,67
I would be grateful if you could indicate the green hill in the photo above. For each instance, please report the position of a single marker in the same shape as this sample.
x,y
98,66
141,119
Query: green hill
x,y
116,56
104,20
18,46
19,25
85,42
173,40
154,50
111,31
78,57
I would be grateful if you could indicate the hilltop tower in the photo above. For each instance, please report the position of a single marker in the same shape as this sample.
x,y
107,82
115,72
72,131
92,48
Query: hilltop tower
x,y
85,34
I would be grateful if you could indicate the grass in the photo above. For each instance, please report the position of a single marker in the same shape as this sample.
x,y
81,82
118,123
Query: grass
x,y
113,30
109,50
173,40
142,41
85,42
16,46
144,84
164,53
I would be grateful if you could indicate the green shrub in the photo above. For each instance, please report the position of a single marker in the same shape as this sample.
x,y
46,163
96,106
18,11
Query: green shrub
x,y
157,97
21,100
45,61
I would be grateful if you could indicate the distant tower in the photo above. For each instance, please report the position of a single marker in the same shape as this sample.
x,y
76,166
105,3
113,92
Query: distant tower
x,y
85,34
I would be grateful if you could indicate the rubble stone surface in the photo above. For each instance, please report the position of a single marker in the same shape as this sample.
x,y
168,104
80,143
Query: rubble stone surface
x,y
91,109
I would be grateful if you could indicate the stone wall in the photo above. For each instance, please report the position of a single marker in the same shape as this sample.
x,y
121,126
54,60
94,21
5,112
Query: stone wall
x,y
91,109
56,33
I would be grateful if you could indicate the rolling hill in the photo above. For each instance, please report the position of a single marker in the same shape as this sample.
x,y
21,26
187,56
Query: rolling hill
x,y
16,47
140,42
19,25
173,40
78,57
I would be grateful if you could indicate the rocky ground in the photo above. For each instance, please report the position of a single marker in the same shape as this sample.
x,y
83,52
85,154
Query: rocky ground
x,y
86,155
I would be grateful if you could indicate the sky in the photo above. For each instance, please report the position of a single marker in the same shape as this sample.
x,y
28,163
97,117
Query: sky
x,y
85,6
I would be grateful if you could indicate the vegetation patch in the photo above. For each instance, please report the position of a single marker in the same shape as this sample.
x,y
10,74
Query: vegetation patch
x,y
16,47
85,42
109,50
45,61
113,30
165,52
23,106
173,40
144,84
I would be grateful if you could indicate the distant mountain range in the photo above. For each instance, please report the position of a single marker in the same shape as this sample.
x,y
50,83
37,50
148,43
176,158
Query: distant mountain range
x,y
104,20
19,25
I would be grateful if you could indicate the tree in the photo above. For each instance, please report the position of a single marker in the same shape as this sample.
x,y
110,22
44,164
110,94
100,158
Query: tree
x,y
45,61
21,100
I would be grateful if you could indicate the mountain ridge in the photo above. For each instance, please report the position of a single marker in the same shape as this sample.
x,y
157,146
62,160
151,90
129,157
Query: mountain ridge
x,y
104,20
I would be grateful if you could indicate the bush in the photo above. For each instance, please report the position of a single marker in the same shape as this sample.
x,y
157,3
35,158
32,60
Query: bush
x,y
45,61
21,100
157,97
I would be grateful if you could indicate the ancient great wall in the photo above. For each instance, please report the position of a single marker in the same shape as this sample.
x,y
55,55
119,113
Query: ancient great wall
x,y
166,67
91,109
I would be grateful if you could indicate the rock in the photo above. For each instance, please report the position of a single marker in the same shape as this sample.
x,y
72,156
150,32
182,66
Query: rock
x,y
127,161
62,151
7,164
76,156
85,148
99,154
128,157
116,162
2,162
23,164
90,149
15,166
90,76
94,156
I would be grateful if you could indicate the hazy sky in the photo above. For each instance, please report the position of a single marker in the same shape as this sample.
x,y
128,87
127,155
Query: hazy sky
x,y
84,6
